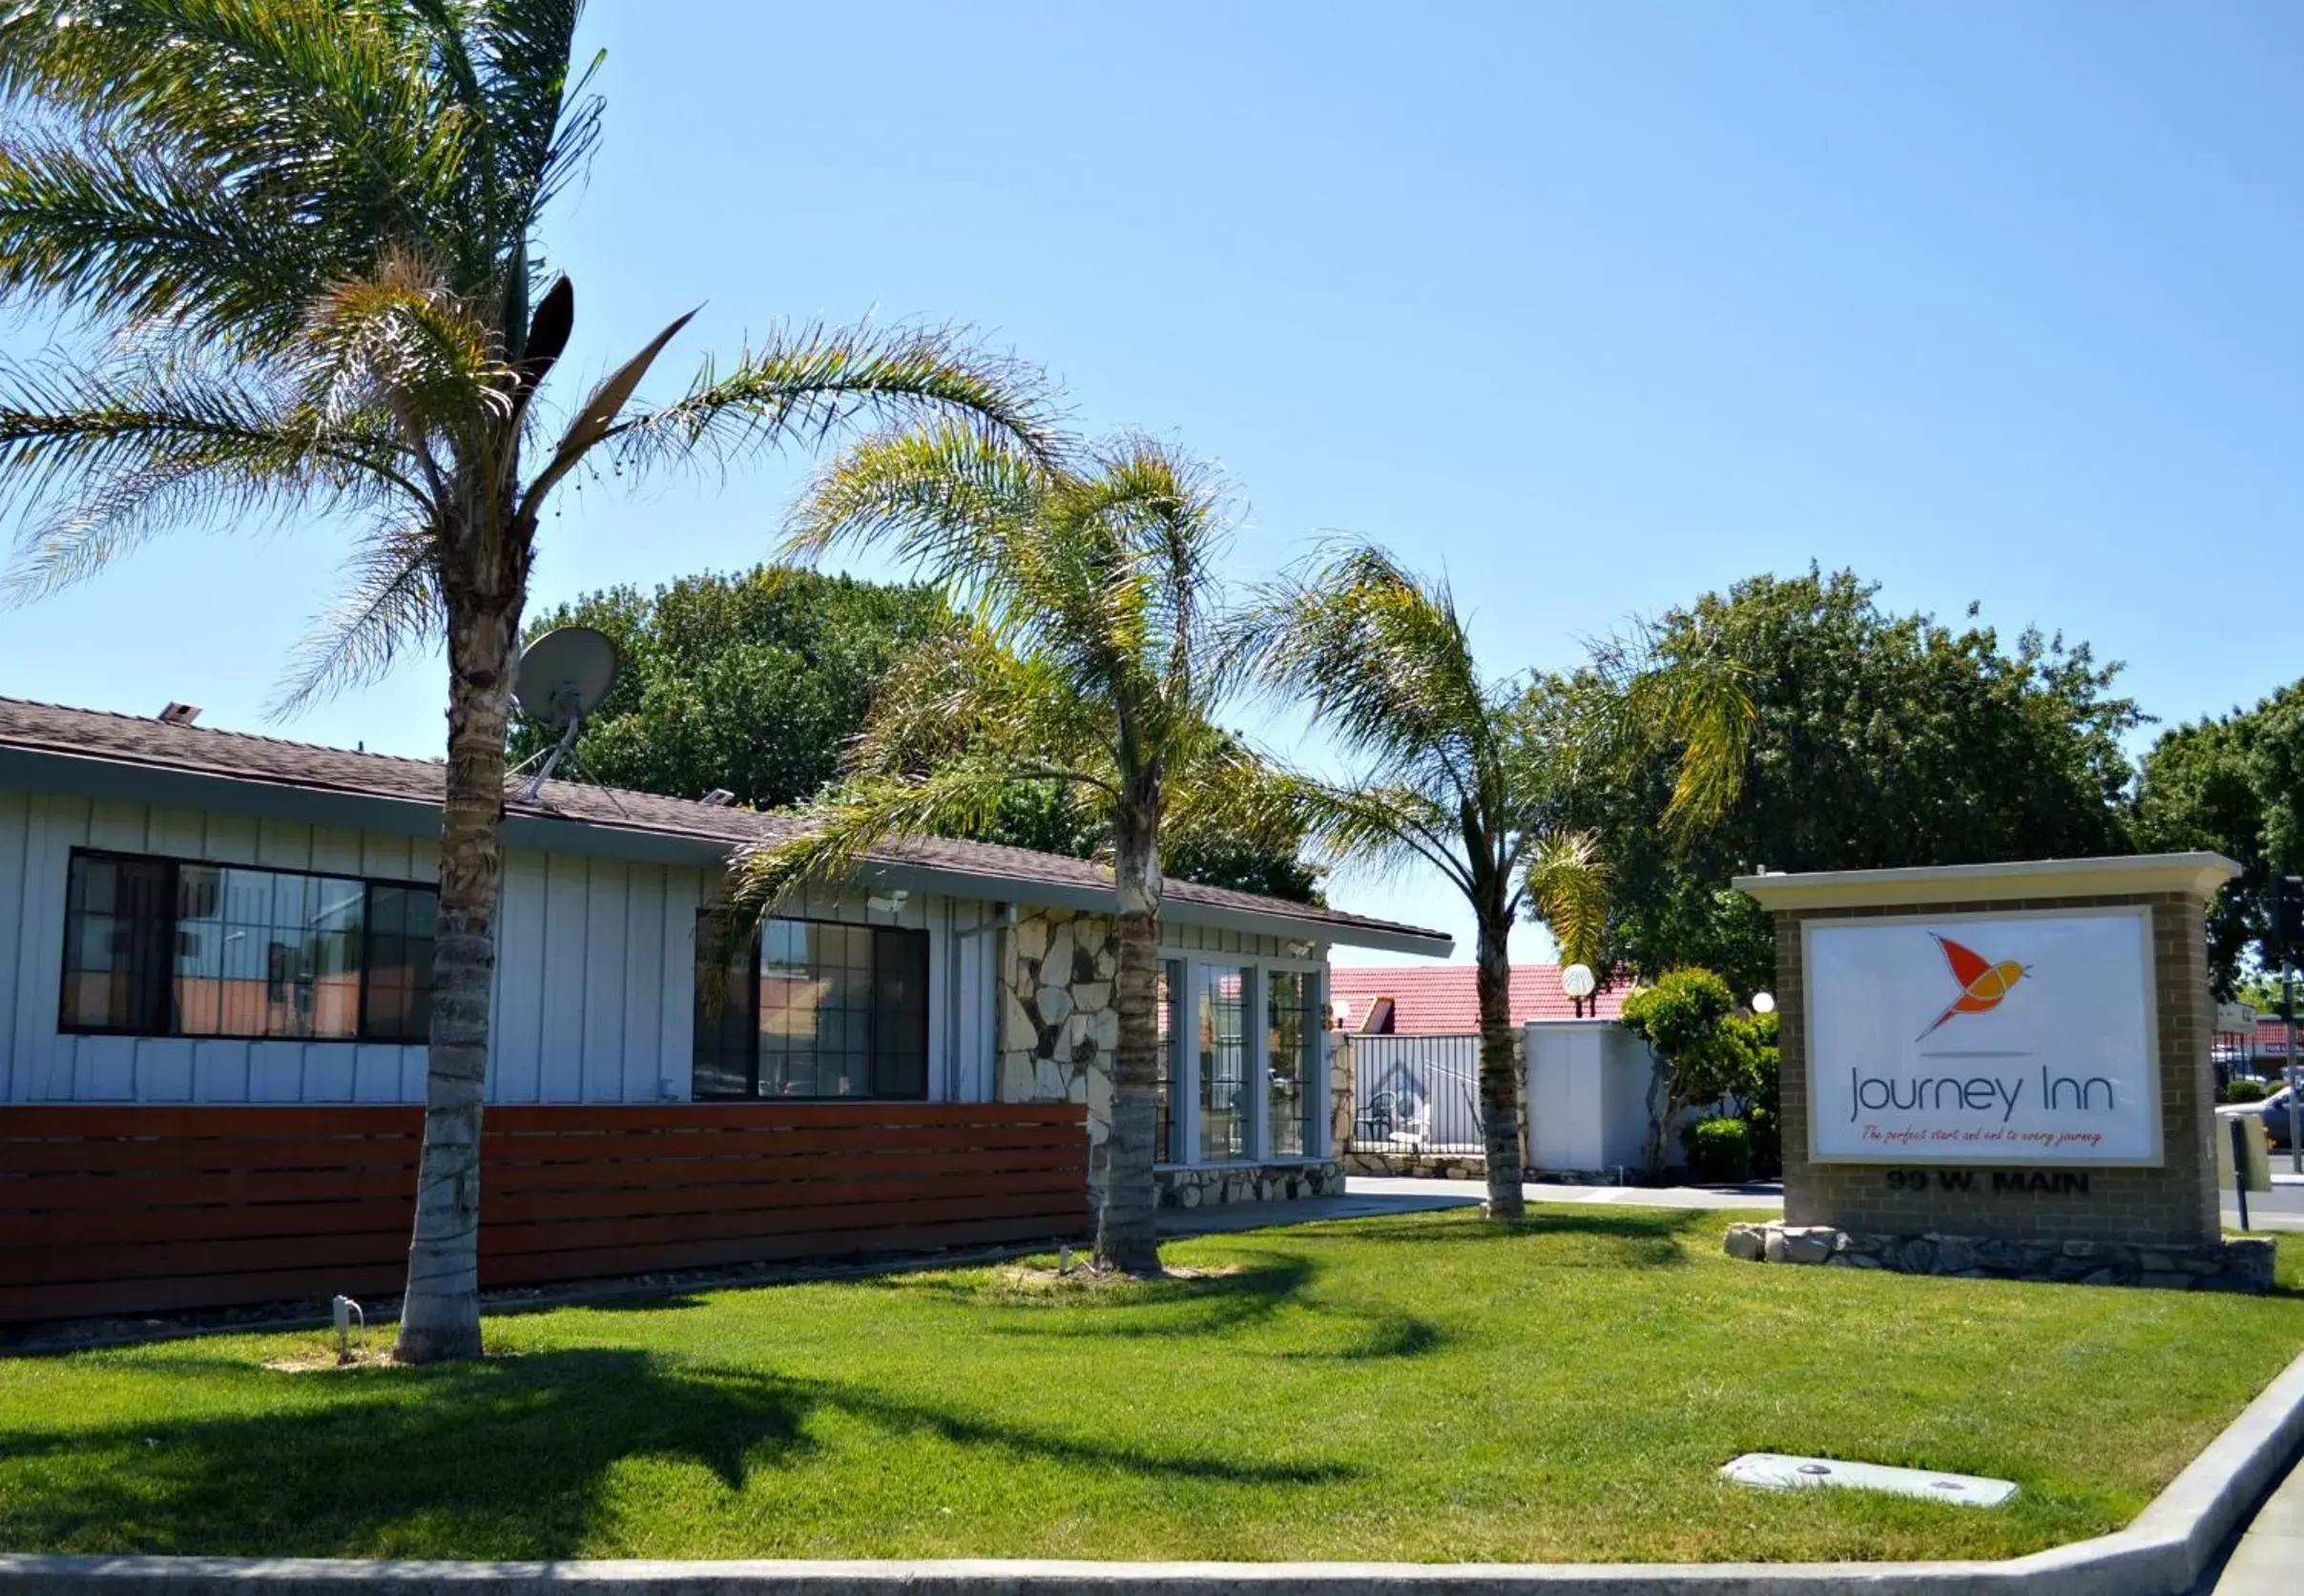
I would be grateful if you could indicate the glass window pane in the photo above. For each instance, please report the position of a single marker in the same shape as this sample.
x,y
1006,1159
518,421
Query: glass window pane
x,y
398,948
117,926
725,1054
1223,1043
1291,1034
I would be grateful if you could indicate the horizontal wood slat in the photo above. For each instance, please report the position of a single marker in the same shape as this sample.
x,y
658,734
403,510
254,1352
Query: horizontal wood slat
x,y
124,1209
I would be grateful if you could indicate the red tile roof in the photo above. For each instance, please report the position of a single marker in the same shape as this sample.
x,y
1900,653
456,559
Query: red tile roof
x,y
1441,999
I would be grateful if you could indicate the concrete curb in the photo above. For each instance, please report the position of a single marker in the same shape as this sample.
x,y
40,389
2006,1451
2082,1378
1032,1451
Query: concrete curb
x,y
2165,1552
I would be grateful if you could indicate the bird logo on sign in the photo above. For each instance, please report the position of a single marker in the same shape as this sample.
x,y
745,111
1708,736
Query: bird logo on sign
x,y
1982,984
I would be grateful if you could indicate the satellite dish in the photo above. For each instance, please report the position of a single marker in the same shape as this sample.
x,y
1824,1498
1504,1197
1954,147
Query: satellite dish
x,y
562,678
564,674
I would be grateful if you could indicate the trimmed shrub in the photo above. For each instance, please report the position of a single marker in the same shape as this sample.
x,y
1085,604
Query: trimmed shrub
x,y
2241,1088
1767,1141
1720,1151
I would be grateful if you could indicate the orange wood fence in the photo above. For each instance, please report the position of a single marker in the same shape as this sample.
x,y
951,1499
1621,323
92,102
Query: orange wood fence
x,y
121,1209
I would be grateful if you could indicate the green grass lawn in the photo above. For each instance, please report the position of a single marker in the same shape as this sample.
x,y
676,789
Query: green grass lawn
x,y
1424,1387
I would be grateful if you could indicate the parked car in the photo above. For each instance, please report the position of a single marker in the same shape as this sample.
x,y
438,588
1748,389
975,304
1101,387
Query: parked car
x,y
2274,1110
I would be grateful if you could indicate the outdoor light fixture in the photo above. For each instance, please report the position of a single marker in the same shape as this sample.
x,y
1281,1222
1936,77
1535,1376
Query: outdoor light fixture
x,y
1579,982
1763,1002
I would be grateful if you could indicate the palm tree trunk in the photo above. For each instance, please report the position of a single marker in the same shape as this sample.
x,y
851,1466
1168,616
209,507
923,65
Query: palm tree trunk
x,y
1499,1072
1127,1226
441,1316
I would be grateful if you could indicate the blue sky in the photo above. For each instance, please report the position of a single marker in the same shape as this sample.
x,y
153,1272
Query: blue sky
x,y
1593,306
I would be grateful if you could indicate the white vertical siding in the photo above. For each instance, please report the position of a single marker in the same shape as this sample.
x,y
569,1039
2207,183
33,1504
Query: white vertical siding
x,y
15,823
595,998
642,1067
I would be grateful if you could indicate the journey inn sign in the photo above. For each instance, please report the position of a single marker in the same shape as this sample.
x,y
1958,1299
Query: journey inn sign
x,y
2002,1069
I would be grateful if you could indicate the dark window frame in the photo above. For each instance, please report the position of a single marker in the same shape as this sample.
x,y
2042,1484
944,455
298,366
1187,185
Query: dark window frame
x,y
174,865
872,1015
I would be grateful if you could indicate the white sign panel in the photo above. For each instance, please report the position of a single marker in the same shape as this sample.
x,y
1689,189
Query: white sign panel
x,y
2009,1039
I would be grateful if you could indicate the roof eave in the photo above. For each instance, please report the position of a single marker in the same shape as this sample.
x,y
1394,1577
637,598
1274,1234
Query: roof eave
x,y
1174,910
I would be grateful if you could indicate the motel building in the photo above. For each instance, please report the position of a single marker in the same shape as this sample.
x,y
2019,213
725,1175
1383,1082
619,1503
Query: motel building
x,y
214,951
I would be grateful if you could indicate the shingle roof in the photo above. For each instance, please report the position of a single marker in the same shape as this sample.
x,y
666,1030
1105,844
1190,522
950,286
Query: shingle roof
x,y
1442,1000
276,761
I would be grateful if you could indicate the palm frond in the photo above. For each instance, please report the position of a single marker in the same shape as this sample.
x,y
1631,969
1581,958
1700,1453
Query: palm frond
x,y
808,383
1382,659
837,837
1567,886
1695,702
94,461
954,503
968,696
392,607
118,233
1373,829
316,118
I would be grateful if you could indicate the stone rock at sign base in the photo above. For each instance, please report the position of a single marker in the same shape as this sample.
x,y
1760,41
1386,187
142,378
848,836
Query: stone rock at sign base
x,y
1808,1244
1917,1257
2195,1265
2080,1248
2101,1277
1954,1254
2158,1279
1773,1246
1745,1242
2157,1262
1863,1260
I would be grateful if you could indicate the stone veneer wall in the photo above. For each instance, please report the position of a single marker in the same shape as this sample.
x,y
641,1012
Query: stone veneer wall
x,y
1057,1030
2172,1205
1057,1023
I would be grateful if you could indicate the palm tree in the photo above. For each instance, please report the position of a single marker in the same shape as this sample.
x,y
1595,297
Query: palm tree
x,y
1465,773
302,238
1088,665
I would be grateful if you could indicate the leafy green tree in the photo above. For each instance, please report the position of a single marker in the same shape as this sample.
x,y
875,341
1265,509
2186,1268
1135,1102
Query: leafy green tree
x,y
1881,741
1464,774
1689,1021
1091,666
302,241
758,682
751,682
2234,784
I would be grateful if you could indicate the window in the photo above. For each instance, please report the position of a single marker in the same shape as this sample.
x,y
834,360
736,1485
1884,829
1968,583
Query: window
x,y
176,947
1224,1064
1170,1019
1293,1038
822,1010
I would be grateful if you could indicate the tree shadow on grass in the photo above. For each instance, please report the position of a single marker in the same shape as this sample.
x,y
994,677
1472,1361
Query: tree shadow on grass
x,y
1230,1306
1554,1239
511,1457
